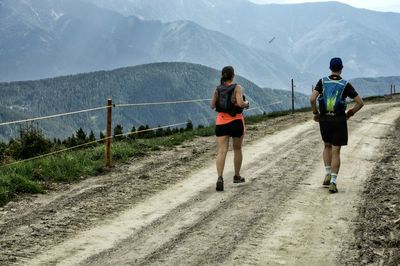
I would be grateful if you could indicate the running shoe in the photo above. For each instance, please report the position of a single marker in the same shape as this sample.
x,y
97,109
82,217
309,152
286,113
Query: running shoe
x,y
238,179
220,184
333,188
327,180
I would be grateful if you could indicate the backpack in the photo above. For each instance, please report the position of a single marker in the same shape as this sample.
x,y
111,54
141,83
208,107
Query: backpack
x,y
330,101
224,100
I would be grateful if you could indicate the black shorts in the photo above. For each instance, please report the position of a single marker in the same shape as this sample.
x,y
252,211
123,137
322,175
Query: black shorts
x,y
334,131
234,129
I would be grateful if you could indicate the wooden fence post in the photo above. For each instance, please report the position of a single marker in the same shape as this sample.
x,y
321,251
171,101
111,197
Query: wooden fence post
x,y
108,133
292,96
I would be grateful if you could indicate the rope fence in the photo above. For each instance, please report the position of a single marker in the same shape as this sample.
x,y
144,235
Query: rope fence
x,y
160,103
108,137
52,116
89,144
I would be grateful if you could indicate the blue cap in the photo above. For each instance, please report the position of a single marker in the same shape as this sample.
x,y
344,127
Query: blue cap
x,y
336,64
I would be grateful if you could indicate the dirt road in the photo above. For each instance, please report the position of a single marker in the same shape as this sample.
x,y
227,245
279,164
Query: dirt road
x,y
164,210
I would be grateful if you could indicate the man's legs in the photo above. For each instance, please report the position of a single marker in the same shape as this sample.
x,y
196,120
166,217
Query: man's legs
x,y
335,167
335,164
327,156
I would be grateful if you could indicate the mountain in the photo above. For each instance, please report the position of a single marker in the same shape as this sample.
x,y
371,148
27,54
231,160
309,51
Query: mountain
x,y
269,44
375,86
46,38
306,35
157,82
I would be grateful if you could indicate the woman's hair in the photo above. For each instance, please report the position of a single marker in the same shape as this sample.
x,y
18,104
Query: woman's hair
x,y
227,73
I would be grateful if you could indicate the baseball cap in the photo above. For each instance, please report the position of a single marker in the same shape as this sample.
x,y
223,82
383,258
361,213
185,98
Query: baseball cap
x,y
336,64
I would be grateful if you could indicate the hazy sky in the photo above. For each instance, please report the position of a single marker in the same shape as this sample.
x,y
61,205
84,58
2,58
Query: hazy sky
x,y
379,5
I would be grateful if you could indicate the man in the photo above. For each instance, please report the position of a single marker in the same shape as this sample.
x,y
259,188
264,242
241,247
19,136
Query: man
x,y
332,92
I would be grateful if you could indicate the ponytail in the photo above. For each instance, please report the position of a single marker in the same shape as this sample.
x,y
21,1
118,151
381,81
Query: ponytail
x,y
227,73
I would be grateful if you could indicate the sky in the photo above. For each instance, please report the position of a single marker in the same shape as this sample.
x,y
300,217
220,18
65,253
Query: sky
x,y
378,5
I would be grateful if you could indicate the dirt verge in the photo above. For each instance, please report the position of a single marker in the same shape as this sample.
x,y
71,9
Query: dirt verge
x,y
377,227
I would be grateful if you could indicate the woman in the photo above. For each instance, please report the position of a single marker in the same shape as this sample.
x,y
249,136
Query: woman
x,y
229,123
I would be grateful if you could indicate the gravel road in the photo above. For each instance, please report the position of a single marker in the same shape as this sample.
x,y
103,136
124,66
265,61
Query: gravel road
x,y
163,209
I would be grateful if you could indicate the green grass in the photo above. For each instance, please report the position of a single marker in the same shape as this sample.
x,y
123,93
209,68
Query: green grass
x,y
31,177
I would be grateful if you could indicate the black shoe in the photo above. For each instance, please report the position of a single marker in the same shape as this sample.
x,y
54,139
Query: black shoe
x,y
333,188
327,180
220,184
238,179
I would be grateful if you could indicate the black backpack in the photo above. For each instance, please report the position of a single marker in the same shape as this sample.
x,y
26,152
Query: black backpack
x,y
224,101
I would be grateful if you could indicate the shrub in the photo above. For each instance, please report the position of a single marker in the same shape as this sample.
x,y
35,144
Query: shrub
x,y
118,130
30,143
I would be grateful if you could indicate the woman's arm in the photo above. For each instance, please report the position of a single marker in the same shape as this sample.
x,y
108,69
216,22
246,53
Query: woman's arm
x,y
213,102
239,97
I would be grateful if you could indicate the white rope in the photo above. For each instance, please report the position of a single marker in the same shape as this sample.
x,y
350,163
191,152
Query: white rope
x,y
260,106
52,116
160,103
272,104
87,144
53,153
149,129
111,137
115,105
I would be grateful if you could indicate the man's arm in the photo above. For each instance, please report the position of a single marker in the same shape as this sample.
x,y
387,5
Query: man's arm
x,y
313,102
356,108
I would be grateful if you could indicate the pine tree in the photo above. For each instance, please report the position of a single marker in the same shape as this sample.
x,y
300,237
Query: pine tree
x,y
80,136
168,131
149,133
141,134
101,136
118,130
132,136
91,136
189,125
159,132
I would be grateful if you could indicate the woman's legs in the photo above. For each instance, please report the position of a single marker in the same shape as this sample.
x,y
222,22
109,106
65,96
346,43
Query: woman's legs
x,y
223,143
237,154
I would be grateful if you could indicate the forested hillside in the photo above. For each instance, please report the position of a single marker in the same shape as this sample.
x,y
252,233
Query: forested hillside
x,y
146,83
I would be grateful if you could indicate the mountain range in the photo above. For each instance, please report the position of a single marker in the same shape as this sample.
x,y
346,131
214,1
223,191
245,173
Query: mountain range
x,y
158,82
269,44
376,86
46,38
305,35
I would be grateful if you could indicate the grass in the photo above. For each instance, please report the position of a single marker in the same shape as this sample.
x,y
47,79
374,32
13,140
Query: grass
x,y
31,177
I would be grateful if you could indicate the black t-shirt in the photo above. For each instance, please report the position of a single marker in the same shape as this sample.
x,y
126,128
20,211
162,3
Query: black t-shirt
x,y
349,90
